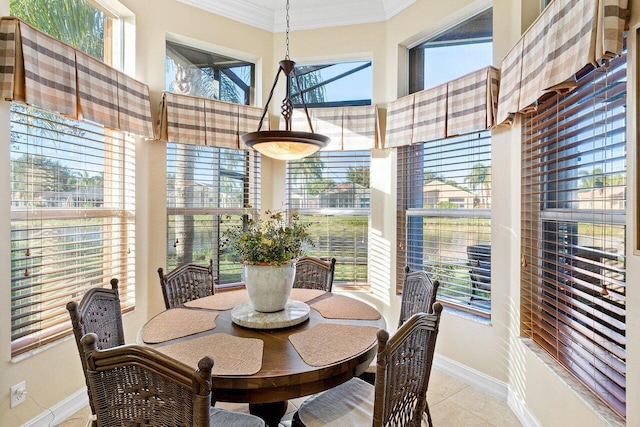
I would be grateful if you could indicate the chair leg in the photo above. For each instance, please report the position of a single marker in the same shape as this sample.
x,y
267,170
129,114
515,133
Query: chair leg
x,y
296,421
426,410
369,377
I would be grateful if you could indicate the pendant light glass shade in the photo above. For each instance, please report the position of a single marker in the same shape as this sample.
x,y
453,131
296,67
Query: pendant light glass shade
x,y
285,145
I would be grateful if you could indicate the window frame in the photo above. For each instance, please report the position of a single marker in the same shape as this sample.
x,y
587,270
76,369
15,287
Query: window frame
x,y
342,264
55,324
214,210
465,31
462,293
348,272
218,214
572,293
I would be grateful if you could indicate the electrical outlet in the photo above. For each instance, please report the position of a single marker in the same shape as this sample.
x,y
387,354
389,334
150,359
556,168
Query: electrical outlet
x,y
18,393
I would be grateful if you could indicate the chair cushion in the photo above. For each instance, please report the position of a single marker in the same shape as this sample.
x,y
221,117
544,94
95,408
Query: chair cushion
x,y
223,418
349,404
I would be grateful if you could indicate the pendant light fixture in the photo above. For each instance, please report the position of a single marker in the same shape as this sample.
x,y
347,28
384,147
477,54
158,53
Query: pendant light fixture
x,y
286,144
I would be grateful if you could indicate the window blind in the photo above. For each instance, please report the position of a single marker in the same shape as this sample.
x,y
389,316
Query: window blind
x,y
573,272
208,189
444,217
72,220
330,190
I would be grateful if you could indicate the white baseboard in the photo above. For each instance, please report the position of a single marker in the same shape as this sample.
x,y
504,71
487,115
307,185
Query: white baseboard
x,y
489,385
60,411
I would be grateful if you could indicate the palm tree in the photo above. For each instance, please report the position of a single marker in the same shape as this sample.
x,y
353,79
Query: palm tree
x,y
306,171
308,78
480,180
358,175
75,22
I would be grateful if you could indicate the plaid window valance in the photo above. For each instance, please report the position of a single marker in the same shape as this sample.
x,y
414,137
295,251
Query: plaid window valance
x,y
464,105
567,36
187,119
350,128
44,72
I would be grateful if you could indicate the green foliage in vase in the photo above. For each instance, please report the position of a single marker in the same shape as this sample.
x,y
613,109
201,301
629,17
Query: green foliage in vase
x,y
272,241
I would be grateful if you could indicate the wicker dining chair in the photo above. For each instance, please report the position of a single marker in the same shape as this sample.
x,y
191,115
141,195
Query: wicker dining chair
x,y
399,397
185,283
134,385
314,273
99,313
418,296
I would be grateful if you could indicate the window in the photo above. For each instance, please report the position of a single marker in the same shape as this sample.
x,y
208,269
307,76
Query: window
x,y
330,189
444,186
91,29
573,230
444,197
464,48
72,194
333,84
209,75
208,187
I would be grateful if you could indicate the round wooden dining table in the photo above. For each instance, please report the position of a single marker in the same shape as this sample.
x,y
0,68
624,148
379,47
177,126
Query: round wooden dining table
x,y
283,373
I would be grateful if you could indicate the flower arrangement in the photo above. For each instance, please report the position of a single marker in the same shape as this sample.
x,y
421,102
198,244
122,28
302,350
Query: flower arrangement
x,y
272,241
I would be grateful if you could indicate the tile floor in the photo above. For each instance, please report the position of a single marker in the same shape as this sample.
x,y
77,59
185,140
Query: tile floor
x,y
453,404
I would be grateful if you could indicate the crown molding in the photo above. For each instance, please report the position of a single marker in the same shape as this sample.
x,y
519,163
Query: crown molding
x,y
239,10
306,15
393,7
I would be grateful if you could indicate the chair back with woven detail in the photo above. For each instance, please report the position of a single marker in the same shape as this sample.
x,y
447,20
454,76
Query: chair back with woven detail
x,y
186,283
399,397
403,370
418,294
314,273
133,385
99,312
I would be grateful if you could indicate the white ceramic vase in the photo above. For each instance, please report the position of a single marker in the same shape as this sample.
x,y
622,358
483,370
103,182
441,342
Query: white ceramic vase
x,y
269,286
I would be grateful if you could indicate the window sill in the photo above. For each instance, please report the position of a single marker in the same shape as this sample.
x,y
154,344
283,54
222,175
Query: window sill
x,y
483,320
590,400
24,356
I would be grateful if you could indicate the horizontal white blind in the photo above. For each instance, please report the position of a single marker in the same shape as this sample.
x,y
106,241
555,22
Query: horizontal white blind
x,y
444,217
330,190
574,157
72,220
208,189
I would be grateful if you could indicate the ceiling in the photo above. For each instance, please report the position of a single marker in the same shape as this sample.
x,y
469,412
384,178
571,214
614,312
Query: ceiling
x,y
304,14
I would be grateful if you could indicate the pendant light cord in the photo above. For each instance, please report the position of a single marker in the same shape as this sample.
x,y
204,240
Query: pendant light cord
x,y
286,54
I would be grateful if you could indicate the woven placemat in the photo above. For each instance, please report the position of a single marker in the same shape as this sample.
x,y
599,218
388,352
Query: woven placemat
x,y
231,355
325,343
177,323
220,301
341,307
304,295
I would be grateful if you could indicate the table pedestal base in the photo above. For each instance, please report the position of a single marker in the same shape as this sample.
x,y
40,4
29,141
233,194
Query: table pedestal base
x,y
271,413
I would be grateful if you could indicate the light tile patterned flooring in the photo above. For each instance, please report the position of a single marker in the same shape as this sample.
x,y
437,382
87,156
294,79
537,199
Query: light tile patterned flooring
x,y
453,404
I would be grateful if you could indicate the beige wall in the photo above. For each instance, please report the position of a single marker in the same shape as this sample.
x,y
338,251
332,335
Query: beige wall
x,y
494,349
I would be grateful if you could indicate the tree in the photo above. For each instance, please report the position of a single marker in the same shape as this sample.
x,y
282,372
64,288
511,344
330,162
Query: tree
x,y
307,173
32,175
75,22
480,181
307,79
359,175
597,179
